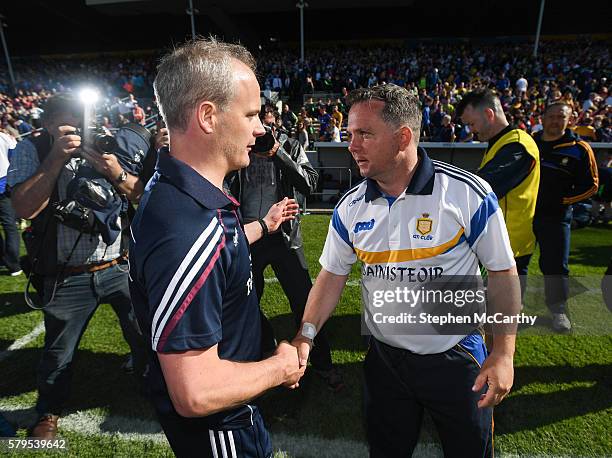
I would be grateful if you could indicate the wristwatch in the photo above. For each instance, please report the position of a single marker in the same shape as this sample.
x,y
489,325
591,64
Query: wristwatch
x,y
309,330
122,177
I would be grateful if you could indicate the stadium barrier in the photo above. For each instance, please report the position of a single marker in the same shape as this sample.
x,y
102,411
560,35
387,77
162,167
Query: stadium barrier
x,y
335,157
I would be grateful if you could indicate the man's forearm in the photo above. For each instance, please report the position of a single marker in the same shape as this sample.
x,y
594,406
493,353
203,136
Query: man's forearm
x,y
235,384
253,232
504,296
200,384
30,197
323,298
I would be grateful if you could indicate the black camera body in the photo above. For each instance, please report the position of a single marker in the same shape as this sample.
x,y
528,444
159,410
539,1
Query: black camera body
x,y
97,137
266,142
70,213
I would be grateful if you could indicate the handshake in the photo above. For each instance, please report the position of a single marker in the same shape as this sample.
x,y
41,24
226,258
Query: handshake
x,y
293,359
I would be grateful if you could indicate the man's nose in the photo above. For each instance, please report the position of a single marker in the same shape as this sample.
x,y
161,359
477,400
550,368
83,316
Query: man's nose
x,y
259,129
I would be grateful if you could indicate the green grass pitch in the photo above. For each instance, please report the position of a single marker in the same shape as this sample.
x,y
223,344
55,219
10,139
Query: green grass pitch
x,y
560,405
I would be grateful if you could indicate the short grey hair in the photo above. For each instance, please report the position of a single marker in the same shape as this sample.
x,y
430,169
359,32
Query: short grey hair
x,y
401,107
196,71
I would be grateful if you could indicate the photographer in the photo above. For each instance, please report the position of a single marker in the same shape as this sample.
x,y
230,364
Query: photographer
x,y
78,258
279,168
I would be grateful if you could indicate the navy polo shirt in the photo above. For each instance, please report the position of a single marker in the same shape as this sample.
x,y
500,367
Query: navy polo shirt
x,y
190,272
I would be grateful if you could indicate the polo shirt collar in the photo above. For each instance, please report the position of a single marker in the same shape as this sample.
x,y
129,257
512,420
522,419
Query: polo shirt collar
x,y
191,182
421,184
499,135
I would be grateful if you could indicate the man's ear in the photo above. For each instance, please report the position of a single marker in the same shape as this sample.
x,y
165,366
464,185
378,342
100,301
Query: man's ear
x,y
206,114
405,137
489,114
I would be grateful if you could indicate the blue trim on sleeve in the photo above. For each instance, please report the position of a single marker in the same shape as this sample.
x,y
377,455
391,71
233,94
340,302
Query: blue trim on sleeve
x,y
340,228
481,217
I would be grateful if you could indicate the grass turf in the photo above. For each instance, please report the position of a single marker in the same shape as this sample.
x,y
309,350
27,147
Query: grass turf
x,y
561,403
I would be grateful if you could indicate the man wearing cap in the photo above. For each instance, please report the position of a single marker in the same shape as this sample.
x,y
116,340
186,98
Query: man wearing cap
x,y
73,269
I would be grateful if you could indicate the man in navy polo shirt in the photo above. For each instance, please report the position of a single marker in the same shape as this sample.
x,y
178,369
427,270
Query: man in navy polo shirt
x,y
191,279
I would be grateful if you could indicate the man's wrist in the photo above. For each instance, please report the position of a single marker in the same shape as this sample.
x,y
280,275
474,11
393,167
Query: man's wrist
x,y
274,149
121,177
264,227
308,330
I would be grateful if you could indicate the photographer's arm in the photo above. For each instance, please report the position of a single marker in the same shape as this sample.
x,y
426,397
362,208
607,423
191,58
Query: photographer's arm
x,y
108,165
132,187
32,195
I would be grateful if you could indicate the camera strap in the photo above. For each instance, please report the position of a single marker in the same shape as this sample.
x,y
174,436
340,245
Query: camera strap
x,y
26,293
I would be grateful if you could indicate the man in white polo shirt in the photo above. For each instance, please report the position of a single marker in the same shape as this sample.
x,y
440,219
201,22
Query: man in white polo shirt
x,y
413,221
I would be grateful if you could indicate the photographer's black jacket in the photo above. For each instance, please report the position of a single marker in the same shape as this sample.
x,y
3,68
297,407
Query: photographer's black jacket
x,y
296,177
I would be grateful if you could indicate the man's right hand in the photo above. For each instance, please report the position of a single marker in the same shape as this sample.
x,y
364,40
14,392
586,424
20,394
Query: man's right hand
x,y
292,371
65,144
303,345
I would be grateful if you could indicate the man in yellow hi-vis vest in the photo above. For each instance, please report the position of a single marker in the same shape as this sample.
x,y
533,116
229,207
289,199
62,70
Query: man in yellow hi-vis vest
x,y
511,165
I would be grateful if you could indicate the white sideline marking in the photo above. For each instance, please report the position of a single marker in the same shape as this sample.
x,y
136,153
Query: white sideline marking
x,y
89,422
92,423
23,341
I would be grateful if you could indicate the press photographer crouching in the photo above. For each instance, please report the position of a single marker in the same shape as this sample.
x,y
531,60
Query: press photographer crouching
x,y
76,196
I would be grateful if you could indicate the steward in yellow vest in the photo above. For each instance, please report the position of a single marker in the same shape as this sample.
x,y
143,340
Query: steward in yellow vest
x,y
511,165
517,190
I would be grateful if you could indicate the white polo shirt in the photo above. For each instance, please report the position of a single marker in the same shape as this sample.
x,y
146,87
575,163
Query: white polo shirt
x,y
443,224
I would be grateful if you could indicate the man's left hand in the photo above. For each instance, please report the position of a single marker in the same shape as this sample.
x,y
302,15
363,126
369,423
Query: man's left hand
x,y
105,164
282,211
498,373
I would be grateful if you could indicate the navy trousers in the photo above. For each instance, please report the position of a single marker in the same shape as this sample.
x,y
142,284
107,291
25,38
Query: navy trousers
x,y
245,436
10,245
553,236
401,385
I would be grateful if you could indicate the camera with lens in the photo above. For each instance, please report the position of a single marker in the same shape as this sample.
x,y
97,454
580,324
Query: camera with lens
x,y
266,142
97,137
75,216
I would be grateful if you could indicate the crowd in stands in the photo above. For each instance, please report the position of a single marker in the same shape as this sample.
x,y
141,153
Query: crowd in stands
x,y
119,81
438,73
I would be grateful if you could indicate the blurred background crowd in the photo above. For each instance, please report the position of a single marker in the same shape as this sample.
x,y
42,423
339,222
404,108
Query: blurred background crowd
x,y
313,91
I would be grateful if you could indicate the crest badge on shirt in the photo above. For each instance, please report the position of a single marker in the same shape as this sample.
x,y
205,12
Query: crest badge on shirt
x,y
424,225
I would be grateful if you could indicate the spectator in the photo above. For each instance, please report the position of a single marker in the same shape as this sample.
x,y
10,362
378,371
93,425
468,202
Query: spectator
x,y
333,133
9,246
446,133
337,115
302,135
138,114
324,119
288,118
